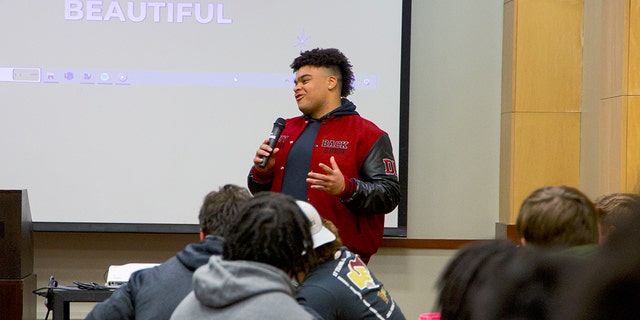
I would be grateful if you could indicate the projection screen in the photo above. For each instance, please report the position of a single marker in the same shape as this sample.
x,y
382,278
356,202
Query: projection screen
x,y
129,112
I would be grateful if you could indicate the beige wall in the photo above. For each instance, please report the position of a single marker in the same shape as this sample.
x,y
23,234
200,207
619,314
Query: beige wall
x,y
85,257
454,140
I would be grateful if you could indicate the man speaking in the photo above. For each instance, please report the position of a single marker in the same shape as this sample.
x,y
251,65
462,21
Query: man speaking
x,y
331,157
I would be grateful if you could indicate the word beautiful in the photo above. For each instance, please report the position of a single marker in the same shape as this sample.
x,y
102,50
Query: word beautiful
x,y
98,10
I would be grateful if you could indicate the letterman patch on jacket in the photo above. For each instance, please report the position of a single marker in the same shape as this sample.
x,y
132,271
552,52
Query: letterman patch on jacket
x,y
335,147
390,167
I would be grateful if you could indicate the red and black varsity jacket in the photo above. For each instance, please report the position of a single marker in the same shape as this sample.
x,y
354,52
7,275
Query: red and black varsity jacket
x,y
365,157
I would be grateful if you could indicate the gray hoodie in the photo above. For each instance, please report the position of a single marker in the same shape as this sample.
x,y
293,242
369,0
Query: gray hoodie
x,y
240,290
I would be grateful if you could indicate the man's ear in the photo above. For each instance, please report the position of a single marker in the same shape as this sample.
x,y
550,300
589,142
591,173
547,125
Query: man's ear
x,y
332,82
523,242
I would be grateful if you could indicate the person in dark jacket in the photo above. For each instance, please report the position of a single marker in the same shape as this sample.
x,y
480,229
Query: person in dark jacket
x,y
155,292
341,286
330,156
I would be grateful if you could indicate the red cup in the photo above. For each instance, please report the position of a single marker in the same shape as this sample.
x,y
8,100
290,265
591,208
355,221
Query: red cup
x,y
430,316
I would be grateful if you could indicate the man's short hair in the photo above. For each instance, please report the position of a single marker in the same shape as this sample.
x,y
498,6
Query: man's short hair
x,y
614,209
219,206
330,58
557,216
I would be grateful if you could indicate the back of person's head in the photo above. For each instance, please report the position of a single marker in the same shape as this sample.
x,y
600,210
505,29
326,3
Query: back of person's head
x,y
608,287
271,228
218,207
330,58
613,209
461,275
524,287
557,216
326,240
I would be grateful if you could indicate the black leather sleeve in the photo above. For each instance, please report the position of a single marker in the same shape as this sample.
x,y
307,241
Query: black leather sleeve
x,y
378,190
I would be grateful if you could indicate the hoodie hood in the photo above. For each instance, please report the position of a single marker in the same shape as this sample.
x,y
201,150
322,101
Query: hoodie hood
x,y
345,109
195,255
221,283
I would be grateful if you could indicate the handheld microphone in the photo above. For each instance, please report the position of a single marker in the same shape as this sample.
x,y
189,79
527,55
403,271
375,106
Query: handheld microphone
x,y
278,126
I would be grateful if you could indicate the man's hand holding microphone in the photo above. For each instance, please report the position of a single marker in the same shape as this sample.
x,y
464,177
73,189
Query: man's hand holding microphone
x,y
264,160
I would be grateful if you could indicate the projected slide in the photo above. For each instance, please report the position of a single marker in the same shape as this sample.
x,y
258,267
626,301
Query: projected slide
x,y
131,111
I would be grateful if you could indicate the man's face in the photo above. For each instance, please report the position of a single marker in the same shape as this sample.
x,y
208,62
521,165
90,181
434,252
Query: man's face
x,y
312,91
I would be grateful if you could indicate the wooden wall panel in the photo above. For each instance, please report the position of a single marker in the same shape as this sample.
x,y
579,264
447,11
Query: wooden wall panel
x,y
614,47
548,59
611,134
634,48
542,79
547,152
633,145
619,135
506,205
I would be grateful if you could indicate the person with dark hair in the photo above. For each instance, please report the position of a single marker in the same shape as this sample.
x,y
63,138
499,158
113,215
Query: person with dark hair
x,y
330,156
153,293
341,286
558,216
525,286
461,277
267,246
614,209
608,285
495,279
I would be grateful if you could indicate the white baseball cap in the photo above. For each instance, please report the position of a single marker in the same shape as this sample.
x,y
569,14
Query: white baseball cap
x,y
320,234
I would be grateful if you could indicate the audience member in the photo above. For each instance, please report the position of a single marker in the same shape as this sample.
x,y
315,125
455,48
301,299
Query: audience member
x,y
495,279
525,286
341,286
558,217
609,286
154,293
460,277
613,209
267,246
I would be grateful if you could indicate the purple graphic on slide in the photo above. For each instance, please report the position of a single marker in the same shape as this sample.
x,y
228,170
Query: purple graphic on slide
x,y
302,41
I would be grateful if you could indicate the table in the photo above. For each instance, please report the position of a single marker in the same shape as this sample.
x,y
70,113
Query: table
x,y
61,297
